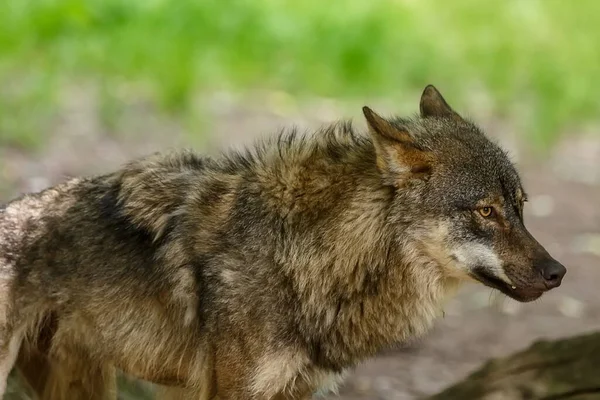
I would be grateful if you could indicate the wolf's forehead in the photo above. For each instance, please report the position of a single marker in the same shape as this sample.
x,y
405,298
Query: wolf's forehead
x,y
477,181
466,152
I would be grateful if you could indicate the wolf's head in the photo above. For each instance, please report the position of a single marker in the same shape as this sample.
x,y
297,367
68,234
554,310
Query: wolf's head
x,y
461,200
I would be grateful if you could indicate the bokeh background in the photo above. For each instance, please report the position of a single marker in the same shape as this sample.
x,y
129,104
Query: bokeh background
x,y
86,85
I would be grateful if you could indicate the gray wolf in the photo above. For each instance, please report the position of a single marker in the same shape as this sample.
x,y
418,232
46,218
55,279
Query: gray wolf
x,y
266,273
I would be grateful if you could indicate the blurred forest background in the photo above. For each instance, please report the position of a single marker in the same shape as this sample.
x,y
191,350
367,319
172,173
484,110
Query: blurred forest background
x,y
533,54
85,85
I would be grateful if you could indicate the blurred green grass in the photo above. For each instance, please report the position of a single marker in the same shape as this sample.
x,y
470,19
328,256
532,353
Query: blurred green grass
x,y
534,57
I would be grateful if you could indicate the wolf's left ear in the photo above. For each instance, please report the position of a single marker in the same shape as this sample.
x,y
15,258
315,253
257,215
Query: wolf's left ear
x,y
399,159
433,104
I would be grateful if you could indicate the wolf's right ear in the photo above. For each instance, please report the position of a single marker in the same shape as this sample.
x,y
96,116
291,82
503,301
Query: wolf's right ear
x,y
433,104
398,157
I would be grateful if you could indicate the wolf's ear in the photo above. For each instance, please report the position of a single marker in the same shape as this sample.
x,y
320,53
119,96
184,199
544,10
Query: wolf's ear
x,y
433,104
398,157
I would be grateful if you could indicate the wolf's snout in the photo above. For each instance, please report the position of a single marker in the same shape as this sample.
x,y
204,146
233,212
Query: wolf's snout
x,y
553,272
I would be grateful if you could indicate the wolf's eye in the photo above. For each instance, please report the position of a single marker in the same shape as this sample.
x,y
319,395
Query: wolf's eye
x,y
486,212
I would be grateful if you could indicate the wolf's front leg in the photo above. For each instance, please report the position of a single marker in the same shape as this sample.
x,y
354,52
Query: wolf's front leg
x,y
174,393
33,368
77,377
169,393
236,380
10,342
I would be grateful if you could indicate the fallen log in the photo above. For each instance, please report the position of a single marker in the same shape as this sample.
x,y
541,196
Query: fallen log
x,y
547,370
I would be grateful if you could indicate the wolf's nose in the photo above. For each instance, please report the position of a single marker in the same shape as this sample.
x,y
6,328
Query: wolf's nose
x,y
553,273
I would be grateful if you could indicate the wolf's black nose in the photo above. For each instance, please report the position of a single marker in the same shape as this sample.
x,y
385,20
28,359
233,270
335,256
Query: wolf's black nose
x,y
553,273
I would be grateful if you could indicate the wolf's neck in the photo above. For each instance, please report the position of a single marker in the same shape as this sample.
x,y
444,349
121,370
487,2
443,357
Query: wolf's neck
x,y
397,308
368,285
406,300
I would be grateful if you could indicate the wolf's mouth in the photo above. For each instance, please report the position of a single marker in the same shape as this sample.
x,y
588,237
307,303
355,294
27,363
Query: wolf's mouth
x,y
519,294
489,280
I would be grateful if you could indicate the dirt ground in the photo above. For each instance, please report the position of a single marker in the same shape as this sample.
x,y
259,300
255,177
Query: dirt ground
x,y
563,213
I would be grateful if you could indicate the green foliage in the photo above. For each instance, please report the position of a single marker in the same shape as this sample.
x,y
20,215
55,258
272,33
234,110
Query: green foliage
x,y
536,54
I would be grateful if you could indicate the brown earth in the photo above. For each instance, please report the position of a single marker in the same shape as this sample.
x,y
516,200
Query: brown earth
x,y
564,214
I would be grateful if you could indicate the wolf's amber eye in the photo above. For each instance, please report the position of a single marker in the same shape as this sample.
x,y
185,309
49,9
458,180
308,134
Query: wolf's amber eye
x,y
486,211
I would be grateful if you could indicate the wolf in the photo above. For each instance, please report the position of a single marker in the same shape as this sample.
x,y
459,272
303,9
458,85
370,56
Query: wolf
x,y
262,273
